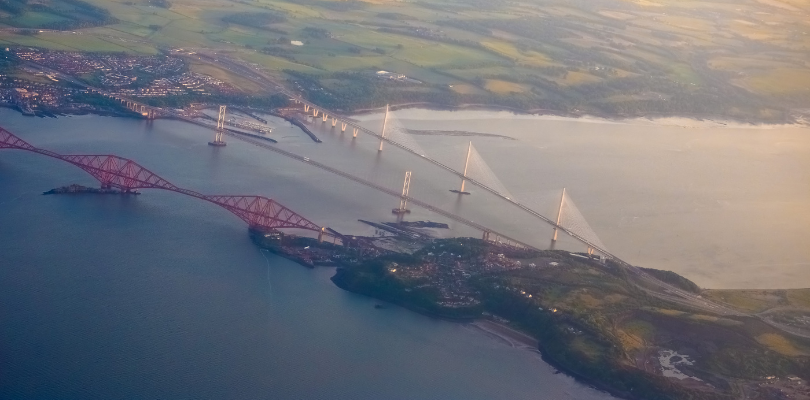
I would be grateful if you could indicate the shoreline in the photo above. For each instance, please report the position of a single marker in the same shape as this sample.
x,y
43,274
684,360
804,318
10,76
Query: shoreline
x,y
677,121
504,334
515,338
552,115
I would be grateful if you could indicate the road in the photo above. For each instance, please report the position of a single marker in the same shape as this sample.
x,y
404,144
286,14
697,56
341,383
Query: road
x,y
645,282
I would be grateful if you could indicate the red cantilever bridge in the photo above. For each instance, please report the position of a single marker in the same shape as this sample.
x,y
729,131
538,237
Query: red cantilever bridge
x,y
111,171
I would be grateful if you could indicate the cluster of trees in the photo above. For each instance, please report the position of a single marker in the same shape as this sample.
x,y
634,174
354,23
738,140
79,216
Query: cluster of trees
x,y
8,63
279,51
161,3
371,278
395,16
346,5
266,102
317,33
653,95
82,15
256,20
601,367
15,7
438,37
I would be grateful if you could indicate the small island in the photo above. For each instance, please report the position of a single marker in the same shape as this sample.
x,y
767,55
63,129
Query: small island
x,y
79,189
592,319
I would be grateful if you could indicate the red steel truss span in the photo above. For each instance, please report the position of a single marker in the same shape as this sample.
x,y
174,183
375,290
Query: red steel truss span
x,y
111,171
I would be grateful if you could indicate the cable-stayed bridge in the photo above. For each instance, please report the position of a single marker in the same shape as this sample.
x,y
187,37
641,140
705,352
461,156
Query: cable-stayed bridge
x,y
568,220
259,212
399,138
579,231
266,214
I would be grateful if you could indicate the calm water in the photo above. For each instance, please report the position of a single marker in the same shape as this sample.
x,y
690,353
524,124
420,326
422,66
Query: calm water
x,y
727,206
163,296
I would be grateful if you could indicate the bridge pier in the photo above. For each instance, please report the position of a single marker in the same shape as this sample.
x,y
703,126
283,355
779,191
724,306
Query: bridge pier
x,y
385,122
343,127
403,200
306,107
220,132
314,112
559,218
355,133
464,175
334,122
320,234
324,117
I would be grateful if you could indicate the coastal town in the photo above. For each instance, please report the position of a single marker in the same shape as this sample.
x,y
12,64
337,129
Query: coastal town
x,y
566,84
48,83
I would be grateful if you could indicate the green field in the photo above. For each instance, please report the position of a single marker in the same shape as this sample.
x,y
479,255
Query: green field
x,y
703,58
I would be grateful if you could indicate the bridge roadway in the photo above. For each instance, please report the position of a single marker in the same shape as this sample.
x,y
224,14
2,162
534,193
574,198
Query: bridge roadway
x,y
474,182
649,284
644,281
383,189
112,171
262,79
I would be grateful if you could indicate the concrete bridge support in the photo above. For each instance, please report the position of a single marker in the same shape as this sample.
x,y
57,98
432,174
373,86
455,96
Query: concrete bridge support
x,y
334,122
385,122
403,200
559,218
324,117
314,112
306,107
355,133
343,127
320,235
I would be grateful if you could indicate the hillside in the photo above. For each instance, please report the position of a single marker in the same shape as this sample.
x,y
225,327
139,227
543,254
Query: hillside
x,y
744,60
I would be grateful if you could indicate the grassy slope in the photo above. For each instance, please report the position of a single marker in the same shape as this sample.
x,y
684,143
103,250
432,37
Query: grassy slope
x,y
749,47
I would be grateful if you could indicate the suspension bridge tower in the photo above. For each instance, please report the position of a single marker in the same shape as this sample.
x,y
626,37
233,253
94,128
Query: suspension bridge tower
x,y
559,218
403,200
220,133
382,135
464,175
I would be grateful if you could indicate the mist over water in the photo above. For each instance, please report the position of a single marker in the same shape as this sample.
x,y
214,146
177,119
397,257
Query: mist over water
x,y
725,205
164,296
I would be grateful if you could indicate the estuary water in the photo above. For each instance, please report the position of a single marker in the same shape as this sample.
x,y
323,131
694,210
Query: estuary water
x,y
726,205
164,296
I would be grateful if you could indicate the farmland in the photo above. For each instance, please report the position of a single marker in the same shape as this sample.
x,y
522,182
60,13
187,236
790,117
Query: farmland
x,y
743,60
